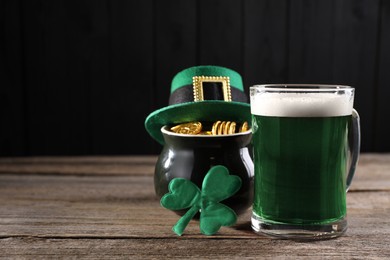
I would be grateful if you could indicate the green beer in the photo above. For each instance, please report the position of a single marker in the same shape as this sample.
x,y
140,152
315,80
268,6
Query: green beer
x,y
300,169
304,159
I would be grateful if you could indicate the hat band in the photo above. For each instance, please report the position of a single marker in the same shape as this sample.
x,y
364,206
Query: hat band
x,y
211,91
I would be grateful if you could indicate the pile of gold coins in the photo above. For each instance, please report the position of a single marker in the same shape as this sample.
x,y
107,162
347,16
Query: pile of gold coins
x,y
217,128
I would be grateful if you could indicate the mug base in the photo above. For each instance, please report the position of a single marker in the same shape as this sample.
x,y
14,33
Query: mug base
x,y
299,232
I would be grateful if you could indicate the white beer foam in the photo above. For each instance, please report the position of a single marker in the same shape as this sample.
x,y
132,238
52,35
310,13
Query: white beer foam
x,y
301,104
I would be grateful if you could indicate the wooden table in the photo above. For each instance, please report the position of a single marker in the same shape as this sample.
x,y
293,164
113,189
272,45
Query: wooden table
x,y
105,207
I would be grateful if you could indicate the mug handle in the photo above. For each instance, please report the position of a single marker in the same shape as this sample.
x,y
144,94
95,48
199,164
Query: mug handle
x,y
355,146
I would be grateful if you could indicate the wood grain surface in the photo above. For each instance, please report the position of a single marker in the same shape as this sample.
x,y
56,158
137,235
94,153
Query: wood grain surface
x,y
105,207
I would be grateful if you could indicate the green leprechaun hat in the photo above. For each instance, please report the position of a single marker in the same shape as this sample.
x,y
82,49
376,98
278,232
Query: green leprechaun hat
x,y
201,93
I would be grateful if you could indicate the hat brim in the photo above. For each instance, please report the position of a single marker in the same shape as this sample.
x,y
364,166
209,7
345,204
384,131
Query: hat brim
x,y
205,111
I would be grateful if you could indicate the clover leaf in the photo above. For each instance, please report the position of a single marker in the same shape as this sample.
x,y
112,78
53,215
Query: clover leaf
x,y
217,185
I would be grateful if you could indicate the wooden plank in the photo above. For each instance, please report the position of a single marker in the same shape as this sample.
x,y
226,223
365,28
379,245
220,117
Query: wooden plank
x,y
220,32
84,169
119,105
175,28
334,42
202,248
125,165
119,216
382,122
66,215
371,174
33,49
174,47
71,55
265,42
82,206
126,206
62,51
310,38
12,134
90,82
79,160
355,43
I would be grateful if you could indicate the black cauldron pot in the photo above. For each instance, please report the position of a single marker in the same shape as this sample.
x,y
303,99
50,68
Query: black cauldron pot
x,y
192,156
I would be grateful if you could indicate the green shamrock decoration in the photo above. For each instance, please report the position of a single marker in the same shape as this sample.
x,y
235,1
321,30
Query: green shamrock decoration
x,y
217,186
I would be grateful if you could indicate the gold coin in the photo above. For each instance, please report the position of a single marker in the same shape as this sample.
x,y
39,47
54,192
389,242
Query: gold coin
x,y
244,127
221,128
191,128
226,128
218,128
232,128
214,130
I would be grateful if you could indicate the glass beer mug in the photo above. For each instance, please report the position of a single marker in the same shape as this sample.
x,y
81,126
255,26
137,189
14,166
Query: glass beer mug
x,y
306,141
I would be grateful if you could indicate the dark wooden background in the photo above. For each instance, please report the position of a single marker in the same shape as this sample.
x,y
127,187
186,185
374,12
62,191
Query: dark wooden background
x,y
79,77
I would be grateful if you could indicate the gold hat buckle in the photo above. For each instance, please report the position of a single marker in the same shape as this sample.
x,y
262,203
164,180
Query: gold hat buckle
x,y
198,86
